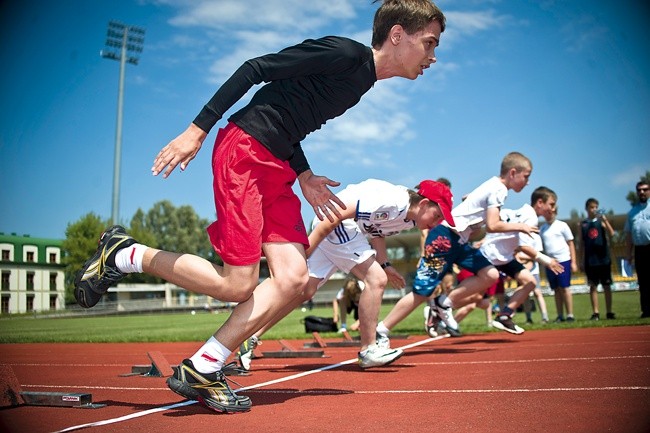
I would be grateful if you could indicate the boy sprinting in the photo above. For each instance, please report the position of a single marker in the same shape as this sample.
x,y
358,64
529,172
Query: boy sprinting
x,y
445,246
500,250
257,157
374,210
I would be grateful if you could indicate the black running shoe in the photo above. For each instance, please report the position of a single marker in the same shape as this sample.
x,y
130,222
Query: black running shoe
x,y
210,389
505,323
432,323
99,272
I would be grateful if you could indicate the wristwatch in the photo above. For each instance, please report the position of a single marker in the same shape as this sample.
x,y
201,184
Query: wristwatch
x,y
385,265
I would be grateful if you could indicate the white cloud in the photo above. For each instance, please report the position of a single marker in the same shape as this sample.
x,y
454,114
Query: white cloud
x,y
276,14
631,175
462,24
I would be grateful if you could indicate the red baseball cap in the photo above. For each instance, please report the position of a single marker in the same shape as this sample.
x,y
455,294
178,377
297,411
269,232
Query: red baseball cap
x,y
440,194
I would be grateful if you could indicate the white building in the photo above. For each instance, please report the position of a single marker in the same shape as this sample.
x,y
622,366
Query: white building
x,y
32,274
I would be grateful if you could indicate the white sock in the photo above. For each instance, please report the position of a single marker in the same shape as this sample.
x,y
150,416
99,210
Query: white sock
x,y
210,357
382,330
444,301
129,259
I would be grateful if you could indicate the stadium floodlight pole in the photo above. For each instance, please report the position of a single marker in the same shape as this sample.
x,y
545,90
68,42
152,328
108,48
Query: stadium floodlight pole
x,y
123,43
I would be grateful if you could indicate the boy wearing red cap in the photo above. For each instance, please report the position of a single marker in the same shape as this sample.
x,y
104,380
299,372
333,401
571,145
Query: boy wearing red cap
x,y
355,243
447,244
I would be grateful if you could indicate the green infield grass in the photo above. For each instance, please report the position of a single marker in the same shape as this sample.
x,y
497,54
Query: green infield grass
x,y
198,327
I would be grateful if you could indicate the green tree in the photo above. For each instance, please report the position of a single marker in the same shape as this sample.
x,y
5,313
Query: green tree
x,y
177,229
79,244
631,195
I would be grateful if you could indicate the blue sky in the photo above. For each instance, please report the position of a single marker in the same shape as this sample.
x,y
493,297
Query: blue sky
x,y
565,82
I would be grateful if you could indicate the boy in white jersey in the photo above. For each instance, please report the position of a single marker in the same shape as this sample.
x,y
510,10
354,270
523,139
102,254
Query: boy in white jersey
x,y
558,243
356,244
445,246
500,249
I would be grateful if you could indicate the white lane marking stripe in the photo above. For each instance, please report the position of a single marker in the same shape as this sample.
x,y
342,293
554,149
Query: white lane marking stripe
x,y
189,402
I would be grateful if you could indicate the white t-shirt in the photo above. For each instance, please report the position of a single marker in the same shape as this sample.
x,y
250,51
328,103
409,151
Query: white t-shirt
x,y
381,211
499,248
470,214
555,237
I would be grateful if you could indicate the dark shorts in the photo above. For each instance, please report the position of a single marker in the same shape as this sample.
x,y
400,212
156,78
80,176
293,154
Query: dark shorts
x,y
511,269
560,280
441,251
601,274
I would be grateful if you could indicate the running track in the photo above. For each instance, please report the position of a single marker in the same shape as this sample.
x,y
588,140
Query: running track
x,y
575,380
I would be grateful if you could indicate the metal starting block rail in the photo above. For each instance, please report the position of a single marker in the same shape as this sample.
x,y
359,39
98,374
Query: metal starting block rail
x,y
288,351
159,367
347,341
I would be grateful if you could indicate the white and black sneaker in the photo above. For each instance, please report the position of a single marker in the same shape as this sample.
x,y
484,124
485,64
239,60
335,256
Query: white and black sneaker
x,y
376,356
383,342
245,353
504,322
446,316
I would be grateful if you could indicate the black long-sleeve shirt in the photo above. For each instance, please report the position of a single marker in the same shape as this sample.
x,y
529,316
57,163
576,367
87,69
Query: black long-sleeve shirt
x,y
307,84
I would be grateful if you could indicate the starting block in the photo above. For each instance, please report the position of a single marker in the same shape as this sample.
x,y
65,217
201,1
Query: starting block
x,y
347,341
159,367
60,399
13,395
288,351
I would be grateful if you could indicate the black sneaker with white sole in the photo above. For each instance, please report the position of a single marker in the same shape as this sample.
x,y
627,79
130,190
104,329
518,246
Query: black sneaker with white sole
x,y
99,272
209,389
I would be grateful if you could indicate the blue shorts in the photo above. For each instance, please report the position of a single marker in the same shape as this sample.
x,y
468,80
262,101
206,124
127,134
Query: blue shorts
x,y
560,280
441,251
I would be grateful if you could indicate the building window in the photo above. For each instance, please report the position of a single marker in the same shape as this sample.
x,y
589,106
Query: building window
x,y
52,257
30,303
53,281
5,255
5,281
30,280
5,305
30,256
53,302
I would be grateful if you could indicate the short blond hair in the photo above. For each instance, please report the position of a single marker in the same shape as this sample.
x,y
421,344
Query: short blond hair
x,y
517,161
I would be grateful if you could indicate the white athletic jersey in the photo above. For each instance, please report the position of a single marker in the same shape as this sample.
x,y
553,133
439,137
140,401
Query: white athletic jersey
x,y
470,214
555,237
381,211
499,248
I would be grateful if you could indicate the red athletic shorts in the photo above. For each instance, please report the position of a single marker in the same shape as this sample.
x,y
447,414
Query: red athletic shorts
x,y
253,199
494,289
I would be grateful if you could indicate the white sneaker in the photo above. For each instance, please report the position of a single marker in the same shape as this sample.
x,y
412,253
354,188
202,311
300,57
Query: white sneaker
x,y
383,342
375,356
447,316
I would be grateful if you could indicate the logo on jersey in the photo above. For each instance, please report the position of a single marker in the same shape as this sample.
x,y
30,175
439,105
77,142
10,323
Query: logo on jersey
x,y
381,216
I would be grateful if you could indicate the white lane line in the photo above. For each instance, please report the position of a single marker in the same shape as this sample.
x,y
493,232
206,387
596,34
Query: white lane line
x,y
454,391
259,385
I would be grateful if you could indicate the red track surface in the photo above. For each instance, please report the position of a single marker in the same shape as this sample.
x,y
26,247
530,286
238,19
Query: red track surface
x,y
582,380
